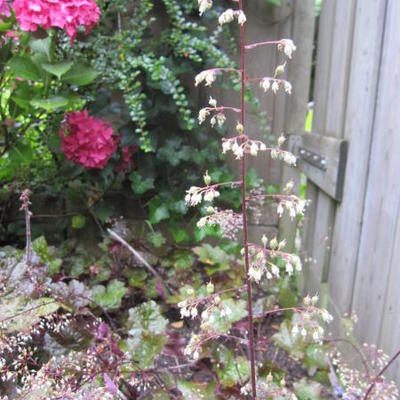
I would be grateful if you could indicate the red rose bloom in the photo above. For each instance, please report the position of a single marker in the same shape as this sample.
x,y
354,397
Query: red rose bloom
x,y
87,140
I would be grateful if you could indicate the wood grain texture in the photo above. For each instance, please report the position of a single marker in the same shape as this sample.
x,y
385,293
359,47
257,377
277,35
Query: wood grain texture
x,y
358,130
378,234
299,75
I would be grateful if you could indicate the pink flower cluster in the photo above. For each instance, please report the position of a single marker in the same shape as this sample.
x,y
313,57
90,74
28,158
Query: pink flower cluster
x,y
4,9
87,140
63,14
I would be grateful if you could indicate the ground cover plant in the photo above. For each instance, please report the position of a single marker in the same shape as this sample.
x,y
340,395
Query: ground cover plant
x,y
144,316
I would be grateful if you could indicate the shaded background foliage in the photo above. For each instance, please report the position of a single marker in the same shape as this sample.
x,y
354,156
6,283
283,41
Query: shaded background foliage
x,y
136,72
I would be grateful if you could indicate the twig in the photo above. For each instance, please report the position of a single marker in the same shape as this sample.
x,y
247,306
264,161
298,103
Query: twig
x,y
381,372
119,239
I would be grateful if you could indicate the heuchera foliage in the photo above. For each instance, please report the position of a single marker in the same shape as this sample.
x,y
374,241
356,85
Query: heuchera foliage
x,y
87,140
63,14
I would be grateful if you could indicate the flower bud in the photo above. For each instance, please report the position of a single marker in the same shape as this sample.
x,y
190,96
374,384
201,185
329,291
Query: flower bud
x,y
239,128
207,179
210,287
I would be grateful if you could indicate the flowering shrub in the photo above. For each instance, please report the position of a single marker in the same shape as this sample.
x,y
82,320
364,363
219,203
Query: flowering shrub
x,y
87,140
4,9
68,15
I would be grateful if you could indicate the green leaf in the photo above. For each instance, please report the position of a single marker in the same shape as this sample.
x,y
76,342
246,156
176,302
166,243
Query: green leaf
x,y
230,311
183,259
215,258
58,69
24,68
41,46
146,330
137,278
196,391
307,390
109,298
180,234
23,312
232,370
51,103
140,184
103,212
275,2
156,239
80,75
78,221
158,210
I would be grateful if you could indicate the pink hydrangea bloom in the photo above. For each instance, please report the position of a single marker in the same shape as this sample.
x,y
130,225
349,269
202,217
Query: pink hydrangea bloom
x,y
4,9
63,14
87,140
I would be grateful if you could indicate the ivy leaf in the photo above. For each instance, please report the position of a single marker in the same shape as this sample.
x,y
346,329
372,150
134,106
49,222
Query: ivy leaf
x,y
58,69
158,210
51,103
140,184
109,298
80,75
24,68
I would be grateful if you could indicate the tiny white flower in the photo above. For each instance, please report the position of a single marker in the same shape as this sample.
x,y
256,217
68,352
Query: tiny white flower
x,y
264,240
281,140
212,102
288,87
204,5
210,77
254,149
221,119
289,269
303,333
213,121
203,114
269,275
226,145
263,147
209,195
307,300
275,86
280,210
239,152
187,198
288,47
295,330
265,84
196,199
194,312
275,270
196,355
201,223
241,18
226,17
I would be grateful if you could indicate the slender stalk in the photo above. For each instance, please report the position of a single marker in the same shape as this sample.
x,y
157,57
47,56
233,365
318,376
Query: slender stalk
x,y
245,231
381,372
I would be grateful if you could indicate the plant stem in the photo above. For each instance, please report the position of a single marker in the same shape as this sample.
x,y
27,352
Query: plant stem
x,y
381,372
245,231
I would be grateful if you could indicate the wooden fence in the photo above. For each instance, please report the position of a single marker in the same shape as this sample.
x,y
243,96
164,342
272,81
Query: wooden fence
x,y
352,163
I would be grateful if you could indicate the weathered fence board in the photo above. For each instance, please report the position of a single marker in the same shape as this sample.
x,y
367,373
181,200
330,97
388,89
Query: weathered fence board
x,y
358,127
383,193
355,244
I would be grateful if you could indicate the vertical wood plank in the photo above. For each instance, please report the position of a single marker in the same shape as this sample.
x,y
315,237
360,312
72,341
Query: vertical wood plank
x,y
330,122
299,76
366,55
383,191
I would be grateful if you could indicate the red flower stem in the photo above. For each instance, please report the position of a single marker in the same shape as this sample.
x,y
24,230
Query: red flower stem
x,y
245,232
